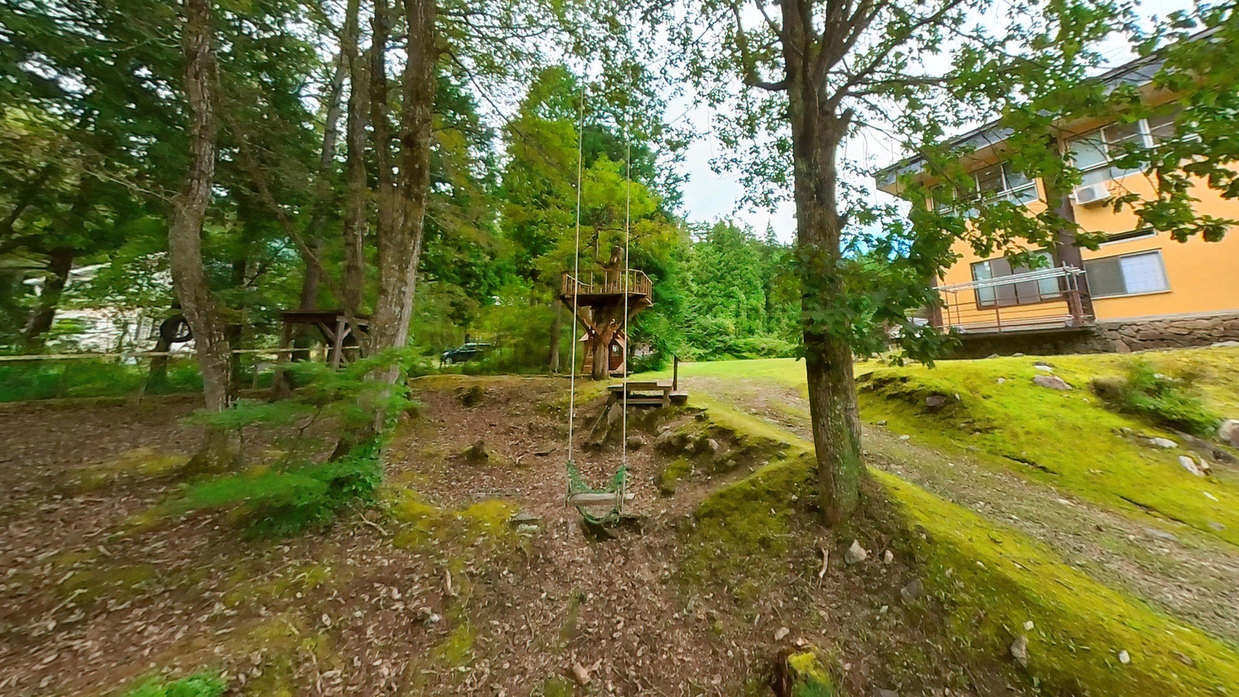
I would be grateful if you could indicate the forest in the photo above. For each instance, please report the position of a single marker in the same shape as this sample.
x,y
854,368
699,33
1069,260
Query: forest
x,y
93,192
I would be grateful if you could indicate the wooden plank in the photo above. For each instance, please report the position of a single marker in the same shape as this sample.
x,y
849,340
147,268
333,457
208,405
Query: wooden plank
x,y
644,401
578,500
639,385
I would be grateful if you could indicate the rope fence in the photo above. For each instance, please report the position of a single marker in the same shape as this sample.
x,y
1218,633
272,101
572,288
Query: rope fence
x,y
133,354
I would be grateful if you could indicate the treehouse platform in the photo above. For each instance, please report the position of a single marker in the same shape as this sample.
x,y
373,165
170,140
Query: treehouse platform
x,y
607,290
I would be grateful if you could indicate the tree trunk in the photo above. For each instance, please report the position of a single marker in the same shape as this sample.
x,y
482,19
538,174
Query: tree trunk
x,y
355,167
60,263
402,207
557,328
220,447
817,132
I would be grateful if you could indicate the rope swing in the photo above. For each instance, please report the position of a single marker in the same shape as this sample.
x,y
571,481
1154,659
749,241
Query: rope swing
x,y
602,506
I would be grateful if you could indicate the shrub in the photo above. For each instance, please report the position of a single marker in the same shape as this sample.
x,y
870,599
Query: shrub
x,y
284,501
300,492
1158,399
197,685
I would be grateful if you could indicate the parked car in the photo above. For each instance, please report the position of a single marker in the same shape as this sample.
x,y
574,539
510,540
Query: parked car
x,y
468,351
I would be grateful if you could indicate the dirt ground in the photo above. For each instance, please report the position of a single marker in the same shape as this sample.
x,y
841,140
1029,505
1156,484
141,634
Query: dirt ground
x,y
98,590
1168,564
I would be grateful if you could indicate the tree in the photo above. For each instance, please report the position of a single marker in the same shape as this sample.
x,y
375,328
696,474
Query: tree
x,y
221,447
816,72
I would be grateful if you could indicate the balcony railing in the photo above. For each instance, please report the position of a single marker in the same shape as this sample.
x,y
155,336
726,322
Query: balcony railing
x,y
1044,299
633,282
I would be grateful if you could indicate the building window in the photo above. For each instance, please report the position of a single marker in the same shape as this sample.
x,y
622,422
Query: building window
x,y
998,182
1017,292
1094,152
1130,274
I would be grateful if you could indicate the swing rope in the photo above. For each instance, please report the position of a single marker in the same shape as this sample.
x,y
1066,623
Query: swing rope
x,y
619,481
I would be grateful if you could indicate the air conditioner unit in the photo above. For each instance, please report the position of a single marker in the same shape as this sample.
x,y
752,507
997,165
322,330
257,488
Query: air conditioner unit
x,y
1091,194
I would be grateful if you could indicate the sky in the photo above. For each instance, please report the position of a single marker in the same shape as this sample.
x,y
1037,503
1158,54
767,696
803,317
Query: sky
x,y
710,196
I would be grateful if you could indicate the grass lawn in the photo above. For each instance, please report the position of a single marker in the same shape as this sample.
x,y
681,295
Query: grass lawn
x,y
1067,439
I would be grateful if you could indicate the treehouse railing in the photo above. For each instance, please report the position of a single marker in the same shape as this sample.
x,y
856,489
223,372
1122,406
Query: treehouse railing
x,y
609,283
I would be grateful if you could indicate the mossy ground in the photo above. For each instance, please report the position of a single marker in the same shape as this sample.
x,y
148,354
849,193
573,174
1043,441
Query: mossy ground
x,y
1066,439
993,580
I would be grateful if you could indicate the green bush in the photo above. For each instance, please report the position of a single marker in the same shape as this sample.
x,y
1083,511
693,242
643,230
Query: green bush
x,y
284,501
29,380
1159,400
197,685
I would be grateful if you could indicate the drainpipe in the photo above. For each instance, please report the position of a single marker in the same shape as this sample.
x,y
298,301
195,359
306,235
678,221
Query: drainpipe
x,y
1065,247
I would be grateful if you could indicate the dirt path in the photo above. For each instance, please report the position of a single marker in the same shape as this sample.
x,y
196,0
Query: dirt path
x,y
1169,565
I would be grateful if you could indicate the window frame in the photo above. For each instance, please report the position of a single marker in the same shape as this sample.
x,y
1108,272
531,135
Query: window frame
x,y
994,303
1119,257
1007,192
1128,236
1148,141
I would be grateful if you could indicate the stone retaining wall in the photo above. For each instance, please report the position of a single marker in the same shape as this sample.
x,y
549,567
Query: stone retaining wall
x,y
1112,336
1180,331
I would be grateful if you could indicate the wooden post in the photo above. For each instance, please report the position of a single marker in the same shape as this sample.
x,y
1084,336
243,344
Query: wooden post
x,y
675,373
337,344
280,385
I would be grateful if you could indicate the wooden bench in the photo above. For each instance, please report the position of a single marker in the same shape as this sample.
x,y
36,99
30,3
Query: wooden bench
x,y
643,393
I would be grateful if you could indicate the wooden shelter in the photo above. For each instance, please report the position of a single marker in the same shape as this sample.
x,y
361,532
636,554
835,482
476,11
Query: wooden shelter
x,y
600,305
340,335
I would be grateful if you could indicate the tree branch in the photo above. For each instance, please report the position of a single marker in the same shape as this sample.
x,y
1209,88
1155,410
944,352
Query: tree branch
x,y
749,67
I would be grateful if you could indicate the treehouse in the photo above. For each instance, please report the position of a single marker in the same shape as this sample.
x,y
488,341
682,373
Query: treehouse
x,y
601,302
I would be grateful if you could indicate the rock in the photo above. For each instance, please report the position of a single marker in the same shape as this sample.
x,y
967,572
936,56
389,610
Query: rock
x,y
523,518
1052,382
473,396
781,633
580,674
636,442
1000,380
712,445
880,423
1044,367
905,437
668,440
1019,651
477,452
855,554
936,402
912,591
1226,344
1017,355
1028,625
992,355
1188,463
1209,496
1162,534
888,557
1228,432
1162,443
1216,525
1184,659
1124,657
885,693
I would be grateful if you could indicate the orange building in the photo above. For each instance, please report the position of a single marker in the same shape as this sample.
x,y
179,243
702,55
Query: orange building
x,y
1139,289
